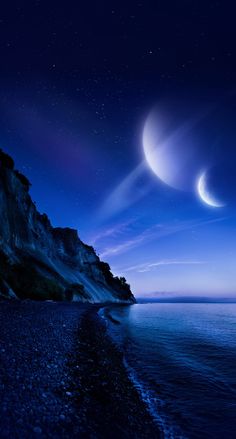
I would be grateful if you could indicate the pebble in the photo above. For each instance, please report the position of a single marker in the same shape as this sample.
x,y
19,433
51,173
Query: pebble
x,y
36,411
37,430
62,417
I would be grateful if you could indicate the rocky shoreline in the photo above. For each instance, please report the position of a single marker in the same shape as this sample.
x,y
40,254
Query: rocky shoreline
x,y
112,404
62,376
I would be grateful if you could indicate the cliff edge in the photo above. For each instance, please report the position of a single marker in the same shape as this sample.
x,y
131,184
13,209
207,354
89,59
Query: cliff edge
x,y
38,261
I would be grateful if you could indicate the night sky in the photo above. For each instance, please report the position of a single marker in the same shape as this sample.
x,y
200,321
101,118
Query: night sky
x,y
78,82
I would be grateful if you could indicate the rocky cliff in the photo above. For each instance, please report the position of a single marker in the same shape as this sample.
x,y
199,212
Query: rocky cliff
x,y
40,262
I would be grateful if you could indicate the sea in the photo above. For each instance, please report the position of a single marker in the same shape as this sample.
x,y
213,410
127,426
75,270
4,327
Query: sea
x,y
181,358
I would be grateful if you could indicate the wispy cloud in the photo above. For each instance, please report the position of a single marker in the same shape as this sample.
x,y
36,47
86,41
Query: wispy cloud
x,y
135,241
112,232
149,266
155,232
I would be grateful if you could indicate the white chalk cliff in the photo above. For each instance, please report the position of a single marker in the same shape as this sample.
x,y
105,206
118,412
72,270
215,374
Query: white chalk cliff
x,y
38,261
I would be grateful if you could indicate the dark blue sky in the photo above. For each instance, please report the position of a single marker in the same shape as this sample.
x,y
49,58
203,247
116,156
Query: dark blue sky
x,y
77,83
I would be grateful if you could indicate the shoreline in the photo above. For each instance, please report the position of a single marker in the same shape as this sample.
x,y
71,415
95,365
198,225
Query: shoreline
x,y
113,400
61,375
146,396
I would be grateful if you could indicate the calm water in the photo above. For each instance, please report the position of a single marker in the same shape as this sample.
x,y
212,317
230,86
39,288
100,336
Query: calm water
x,y
182,358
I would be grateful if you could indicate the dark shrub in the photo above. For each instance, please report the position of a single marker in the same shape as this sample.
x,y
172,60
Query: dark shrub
x,y
76,290
119,284
106,270
69,294
6,160
89,247
123,281
23,179
3,288
44,219
4,261
27,282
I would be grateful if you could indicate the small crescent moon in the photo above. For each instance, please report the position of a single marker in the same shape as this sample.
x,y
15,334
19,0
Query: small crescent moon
x,y
205,194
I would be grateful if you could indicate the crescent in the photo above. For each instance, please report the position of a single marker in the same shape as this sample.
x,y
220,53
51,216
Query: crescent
x,y
205,194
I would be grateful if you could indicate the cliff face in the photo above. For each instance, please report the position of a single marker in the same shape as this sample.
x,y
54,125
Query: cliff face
x,y
41,262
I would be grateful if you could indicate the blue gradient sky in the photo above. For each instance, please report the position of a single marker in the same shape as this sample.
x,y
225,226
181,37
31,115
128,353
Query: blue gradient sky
x,y
76,87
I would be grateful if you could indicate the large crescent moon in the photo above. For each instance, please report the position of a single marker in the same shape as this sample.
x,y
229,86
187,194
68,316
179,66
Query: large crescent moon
x,y
161,155
171,153
205,194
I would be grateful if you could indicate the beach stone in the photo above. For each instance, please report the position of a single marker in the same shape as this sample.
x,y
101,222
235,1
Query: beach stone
x,y
63,398
37,430
62,417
